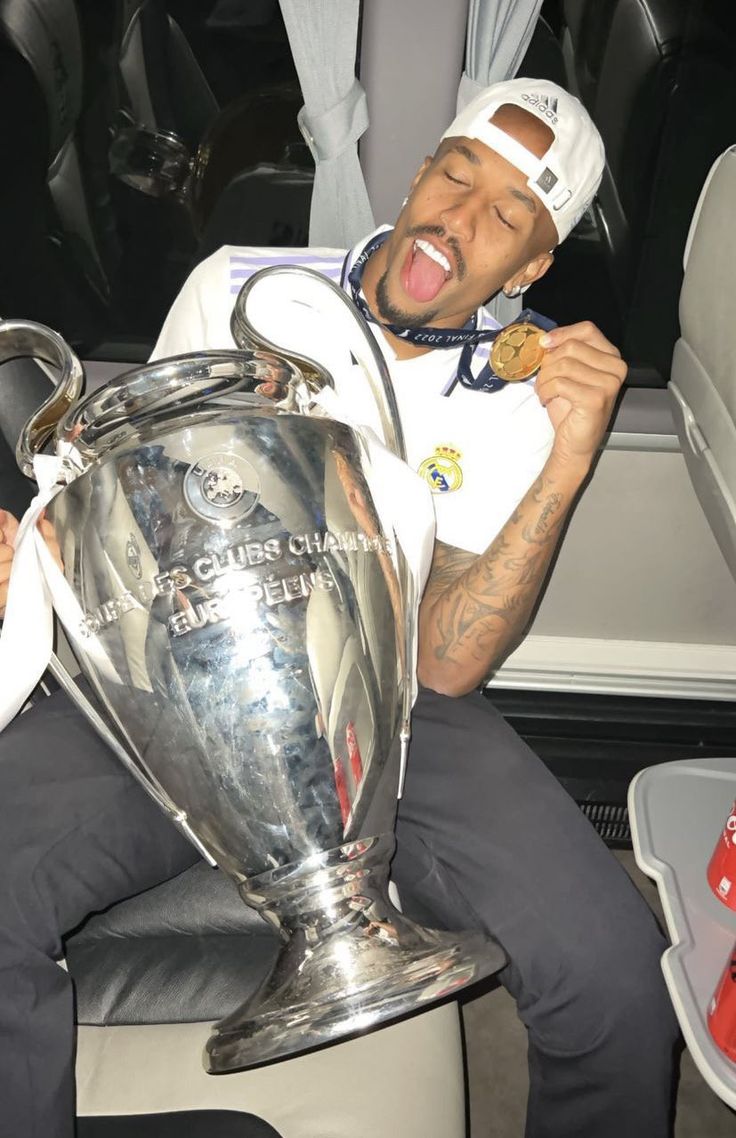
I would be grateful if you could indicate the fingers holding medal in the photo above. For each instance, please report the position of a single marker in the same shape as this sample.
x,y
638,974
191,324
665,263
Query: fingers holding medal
x,y
579,355
578,383
578,373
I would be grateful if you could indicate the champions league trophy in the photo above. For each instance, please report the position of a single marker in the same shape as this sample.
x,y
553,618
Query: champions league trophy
x,y
245,616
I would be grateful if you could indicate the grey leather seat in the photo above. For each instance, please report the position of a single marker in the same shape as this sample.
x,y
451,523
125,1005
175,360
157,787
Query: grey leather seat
x,y
65,233
656,77
50,230
163,86
626,56
153,972
703,383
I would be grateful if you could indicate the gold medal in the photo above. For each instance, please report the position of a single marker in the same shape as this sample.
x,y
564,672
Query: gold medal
x,y
516,353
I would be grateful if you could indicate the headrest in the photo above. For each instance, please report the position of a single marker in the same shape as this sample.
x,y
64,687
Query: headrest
x,y
47,36
707,325
720,184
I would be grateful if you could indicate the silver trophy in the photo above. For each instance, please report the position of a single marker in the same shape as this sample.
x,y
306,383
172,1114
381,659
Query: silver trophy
x,y
244,616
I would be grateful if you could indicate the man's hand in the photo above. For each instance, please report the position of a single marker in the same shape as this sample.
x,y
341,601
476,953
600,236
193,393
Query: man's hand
x,y
8,532
578,383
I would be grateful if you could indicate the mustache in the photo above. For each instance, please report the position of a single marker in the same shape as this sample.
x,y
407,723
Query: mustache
x,y
451,242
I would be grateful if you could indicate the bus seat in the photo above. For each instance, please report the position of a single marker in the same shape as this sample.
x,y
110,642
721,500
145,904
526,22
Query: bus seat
x,y
655,76
59,272
163,85
703,383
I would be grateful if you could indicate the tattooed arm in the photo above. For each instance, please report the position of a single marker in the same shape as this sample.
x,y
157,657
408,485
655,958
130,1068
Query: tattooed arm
x,y
476,608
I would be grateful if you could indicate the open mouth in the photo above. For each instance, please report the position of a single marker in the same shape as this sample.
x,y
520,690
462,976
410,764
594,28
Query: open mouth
x,y
425,271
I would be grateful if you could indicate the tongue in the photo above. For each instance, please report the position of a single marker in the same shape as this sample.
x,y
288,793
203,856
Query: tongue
x,y
424,278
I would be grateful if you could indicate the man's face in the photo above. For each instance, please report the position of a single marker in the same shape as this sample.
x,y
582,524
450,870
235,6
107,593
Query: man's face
x,y
471,225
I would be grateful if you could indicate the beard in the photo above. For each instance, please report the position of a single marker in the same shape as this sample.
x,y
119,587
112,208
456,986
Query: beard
x,y
390,313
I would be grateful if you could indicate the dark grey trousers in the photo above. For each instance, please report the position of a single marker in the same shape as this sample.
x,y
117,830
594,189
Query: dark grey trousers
x,y
486,836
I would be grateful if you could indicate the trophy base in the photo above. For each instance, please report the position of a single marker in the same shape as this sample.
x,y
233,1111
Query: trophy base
x,y
357,963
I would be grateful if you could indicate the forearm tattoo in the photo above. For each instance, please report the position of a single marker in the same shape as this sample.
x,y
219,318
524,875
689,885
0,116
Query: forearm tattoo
x,y
477,605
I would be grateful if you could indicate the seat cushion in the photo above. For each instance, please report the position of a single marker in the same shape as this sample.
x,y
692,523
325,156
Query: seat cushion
x,y
188,950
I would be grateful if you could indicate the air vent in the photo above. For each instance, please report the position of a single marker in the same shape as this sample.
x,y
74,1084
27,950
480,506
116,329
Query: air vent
x,y
611,820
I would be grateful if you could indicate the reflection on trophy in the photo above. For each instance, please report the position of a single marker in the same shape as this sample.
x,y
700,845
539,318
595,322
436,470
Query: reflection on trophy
x,y
244,614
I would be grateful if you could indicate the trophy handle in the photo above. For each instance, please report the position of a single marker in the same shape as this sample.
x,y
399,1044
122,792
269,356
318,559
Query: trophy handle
x,y
175,382
25,338
248,337
29,339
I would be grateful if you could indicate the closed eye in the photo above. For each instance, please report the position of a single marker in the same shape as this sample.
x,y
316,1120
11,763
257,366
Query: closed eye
x,y
457,181
502,219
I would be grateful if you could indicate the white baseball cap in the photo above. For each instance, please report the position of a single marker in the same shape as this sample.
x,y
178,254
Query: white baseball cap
x,y
566,178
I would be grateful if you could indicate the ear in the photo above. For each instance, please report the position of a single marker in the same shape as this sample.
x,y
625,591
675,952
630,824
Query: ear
x,y
531,272
421,172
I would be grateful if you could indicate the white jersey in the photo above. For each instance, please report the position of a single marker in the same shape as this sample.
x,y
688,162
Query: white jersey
x,y
479,452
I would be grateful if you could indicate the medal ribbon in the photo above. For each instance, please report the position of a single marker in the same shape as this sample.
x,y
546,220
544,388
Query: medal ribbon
x,y
468,337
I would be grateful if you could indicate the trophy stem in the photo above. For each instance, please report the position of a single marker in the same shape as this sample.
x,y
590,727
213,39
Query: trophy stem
x,y
351,959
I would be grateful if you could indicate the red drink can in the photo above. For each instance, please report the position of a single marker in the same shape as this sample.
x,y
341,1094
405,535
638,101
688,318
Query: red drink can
x,y
722,867
722,1010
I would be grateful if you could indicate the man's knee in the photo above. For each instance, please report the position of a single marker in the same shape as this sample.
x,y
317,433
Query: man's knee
x,y
608,996
52,777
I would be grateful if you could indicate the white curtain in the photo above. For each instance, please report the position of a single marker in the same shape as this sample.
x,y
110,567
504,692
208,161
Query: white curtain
x,y
499,32
323,36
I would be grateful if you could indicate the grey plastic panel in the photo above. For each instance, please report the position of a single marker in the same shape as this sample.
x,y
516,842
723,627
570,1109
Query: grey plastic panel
x,y
644,411
677,812
639,561
643,421
408,109
712,468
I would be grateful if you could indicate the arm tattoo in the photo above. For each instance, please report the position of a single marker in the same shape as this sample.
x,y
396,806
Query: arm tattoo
x,y
475,606
448,563
540,534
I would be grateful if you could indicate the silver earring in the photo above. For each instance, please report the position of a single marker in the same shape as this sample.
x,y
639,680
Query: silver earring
x,y
512,292
404,202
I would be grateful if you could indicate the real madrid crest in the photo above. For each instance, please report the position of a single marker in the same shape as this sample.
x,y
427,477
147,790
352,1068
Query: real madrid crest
x,y
222,487
442,471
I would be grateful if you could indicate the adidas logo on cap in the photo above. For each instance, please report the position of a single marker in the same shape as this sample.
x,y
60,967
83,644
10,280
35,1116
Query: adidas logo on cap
x,y
546,104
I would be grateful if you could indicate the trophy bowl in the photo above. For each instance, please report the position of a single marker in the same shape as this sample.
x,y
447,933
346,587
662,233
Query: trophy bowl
x,y
244,615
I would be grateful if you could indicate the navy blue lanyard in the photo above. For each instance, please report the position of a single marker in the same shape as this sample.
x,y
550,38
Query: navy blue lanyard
x,y
468,337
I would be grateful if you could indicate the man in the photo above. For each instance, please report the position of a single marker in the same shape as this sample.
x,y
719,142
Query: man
x,y
485,835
